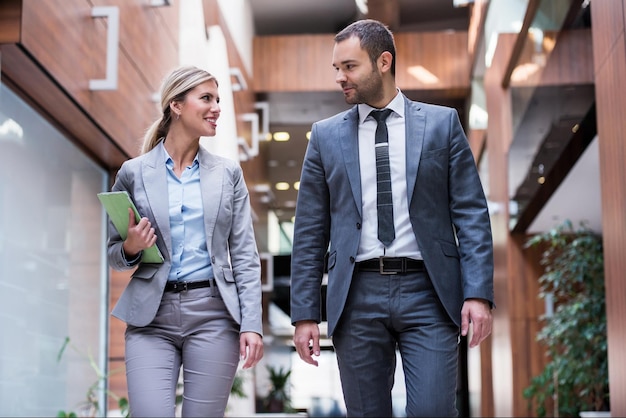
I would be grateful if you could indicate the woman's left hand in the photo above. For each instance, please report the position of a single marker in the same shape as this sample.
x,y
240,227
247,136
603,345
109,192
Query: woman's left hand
x,y
250,348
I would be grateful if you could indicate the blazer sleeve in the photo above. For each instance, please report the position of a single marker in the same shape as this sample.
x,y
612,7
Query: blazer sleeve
x,y
245,258
470,216
115,251
311,235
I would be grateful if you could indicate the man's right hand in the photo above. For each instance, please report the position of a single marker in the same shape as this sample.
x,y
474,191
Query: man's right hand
x,y
306,338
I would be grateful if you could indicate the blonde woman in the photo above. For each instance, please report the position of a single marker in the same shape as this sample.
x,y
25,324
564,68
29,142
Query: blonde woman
x,y
201,308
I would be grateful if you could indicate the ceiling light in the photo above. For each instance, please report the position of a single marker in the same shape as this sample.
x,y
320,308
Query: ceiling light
x,y
281,136
268,136
10,130
423,75
296,185
308,135
461,3
362,6
282,185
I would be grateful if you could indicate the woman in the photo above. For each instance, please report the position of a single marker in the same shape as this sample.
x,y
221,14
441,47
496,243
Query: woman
x,y
200,308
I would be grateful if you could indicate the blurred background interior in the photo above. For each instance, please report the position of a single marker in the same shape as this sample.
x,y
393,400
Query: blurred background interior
x,y
537,87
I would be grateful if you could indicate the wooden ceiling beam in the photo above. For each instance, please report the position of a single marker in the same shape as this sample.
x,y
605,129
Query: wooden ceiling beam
x,y
385,11
10,21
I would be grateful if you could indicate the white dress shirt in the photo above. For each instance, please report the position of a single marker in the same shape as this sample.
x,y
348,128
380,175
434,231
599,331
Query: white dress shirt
x,y
405,244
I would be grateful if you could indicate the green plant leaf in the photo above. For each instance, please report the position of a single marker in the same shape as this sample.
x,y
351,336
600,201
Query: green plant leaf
x,y
575,336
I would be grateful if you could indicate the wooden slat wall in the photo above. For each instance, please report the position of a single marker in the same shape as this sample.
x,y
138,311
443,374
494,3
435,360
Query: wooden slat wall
x,y
293,63
499,136
42,93
443,54
10,21
476,30
517,316
567,63
477,139
117,380
304,62
50,51
609,57
63,38
526,310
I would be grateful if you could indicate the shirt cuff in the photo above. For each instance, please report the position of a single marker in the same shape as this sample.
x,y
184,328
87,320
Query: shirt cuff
x,y
135,260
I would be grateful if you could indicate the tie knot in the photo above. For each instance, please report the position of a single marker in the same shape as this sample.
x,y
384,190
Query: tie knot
x,y
380,115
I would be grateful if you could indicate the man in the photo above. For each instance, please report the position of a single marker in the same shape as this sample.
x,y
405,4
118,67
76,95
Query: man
x,y
432,277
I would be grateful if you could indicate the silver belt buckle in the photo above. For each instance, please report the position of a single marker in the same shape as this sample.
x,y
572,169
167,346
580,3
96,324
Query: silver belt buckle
x,y
381,267
180,287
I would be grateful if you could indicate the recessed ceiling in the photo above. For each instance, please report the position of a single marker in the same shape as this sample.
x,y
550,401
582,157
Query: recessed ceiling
x,y
295,112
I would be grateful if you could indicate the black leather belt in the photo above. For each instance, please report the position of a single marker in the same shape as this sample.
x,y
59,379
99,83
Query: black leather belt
x,y
391,265
173,286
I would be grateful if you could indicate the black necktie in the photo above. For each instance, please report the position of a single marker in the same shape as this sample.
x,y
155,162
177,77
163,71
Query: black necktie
x,y
384,201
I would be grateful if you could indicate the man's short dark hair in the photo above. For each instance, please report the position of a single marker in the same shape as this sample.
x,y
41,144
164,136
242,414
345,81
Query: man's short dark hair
x,y
375,38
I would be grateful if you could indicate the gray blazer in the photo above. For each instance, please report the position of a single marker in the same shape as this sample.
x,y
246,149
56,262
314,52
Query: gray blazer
x,y
228,228
447,206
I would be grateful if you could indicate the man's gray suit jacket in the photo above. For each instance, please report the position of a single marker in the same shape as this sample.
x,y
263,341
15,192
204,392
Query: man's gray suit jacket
x,y
447,208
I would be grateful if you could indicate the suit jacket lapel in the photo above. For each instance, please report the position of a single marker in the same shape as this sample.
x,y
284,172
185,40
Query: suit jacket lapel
x,y
415,129
211,181
154,176
349,140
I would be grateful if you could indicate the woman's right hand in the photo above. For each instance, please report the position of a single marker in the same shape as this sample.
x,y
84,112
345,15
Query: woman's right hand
x,y
140,235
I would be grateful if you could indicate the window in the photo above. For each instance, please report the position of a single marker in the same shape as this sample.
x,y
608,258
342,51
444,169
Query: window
x,y
52,265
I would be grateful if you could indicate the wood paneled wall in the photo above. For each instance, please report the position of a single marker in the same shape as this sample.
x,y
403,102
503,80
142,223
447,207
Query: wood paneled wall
x,y
52,48
62,37
499,137
516,356
568,63
10,21
293,63
436,61
117,369
609,57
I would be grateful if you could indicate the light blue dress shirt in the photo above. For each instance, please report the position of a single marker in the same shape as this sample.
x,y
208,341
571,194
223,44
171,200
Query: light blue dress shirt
x,y
191,260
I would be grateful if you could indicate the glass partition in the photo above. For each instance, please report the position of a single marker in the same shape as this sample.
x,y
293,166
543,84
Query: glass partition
x,y
52,268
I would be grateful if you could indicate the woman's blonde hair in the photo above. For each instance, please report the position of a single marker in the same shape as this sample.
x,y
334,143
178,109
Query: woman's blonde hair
x,y
174,89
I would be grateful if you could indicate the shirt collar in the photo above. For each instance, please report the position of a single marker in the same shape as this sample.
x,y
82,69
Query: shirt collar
x,y
397,105
165,157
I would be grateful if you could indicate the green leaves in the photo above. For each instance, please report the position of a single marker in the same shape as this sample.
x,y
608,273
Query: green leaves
x,y
278,399
576,376
90,404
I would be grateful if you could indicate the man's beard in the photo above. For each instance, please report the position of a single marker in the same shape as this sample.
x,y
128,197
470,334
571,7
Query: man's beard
x,y
370,91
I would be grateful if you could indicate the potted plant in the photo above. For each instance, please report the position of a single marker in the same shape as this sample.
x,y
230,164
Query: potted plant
x,y
91,406
575,378
278,399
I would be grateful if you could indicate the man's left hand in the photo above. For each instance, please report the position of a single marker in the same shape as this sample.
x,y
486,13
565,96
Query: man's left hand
x,y
478,313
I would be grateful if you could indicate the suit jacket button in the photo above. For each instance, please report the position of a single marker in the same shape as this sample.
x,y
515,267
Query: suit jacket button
x,y
358,225
352,259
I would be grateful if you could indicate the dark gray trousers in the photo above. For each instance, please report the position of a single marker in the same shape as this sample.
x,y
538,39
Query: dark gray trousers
x,y
193,329
388,312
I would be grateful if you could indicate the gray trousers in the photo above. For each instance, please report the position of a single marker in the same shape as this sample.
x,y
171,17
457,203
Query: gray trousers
x,y
385,312
192,328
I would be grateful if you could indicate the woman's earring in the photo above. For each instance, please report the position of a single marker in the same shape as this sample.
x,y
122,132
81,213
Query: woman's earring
x,y
177,116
